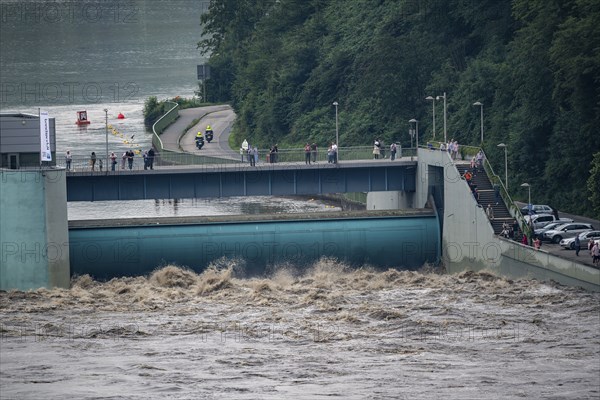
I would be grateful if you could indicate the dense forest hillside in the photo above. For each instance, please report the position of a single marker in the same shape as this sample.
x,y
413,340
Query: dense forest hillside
x,y
534,64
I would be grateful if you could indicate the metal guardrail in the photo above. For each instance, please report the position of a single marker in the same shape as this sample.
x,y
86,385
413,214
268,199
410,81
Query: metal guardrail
x,y
169,158
161,124
513,209
468,152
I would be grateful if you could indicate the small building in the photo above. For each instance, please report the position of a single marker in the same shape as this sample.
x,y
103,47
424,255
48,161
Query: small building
x,y
20,141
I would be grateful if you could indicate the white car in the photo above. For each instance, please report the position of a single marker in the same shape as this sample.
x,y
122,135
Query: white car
x,y
584,238
541,220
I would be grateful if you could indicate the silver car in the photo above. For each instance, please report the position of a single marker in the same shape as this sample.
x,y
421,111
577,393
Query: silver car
x,y
584,238
540,232
567,231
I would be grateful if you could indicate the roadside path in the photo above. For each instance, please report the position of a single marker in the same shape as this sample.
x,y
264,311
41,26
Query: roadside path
x,y
221,121
219,117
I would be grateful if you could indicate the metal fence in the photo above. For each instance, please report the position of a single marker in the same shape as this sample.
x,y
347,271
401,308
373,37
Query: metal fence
x,y
161,124
168,158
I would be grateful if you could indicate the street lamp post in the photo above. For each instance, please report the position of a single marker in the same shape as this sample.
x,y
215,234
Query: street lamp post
x,y
414,121
106,130
432,112
480,104
528,186
505,165
445,112
337,134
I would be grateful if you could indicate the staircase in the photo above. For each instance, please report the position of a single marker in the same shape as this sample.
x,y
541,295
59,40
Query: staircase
x,y
486,196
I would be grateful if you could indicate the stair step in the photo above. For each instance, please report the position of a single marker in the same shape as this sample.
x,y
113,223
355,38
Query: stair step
x,y
487,195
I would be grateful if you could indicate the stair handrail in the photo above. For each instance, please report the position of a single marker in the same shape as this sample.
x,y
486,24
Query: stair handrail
x,y
513,209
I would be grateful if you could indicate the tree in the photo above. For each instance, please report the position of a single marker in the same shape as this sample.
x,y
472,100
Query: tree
x,y
593,185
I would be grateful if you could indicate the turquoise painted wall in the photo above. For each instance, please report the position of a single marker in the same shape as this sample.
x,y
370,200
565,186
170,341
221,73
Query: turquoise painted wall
x,y
23,262
401,242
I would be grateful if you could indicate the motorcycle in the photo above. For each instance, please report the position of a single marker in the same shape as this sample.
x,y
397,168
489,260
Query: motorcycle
x,y
209,135
199,142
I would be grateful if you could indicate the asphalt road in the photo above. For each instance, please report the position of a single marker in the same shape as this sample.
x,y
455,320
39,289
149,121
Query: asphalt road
x,y
556,249
219,117
220,121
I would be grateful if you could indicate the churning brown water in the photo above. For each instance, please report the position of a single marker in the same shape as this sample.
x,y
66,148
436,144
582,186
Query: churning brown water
x,y
327,332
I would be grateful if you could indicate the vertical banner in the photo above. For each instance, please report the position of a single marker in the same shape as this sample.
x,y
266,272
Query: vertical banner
x,y
45,153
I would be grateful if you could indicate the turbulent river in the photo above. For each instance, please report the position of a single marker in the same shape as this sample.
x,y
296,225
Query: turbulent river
x,y
326,332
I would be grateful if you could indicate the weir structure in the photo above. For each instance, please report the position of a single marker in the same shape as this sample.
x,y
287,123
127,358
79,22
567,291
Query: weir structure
x,y
39,250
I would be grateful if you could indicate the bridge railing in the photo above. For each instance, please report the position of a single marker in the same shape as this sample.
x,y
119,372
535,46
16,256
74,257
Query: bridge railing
x,y
514,210
161,124
168,158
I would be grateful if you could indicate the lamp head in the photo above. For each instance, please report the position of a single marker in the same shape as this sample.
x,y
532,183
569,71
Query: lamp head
x,y
413,121
502,145
335,103
525,184
478,103
429,98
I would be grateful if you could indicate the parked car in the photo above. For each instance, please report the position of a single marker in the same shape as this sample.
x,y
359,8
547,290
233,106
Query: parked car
x,y
540,232
567,231
584,238
541,220
537,209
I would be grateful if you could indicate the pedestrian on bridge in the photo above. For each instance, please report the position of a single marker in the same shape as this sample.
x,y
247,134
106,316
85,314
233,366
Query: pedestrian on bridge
x,y
151,155
68,160
376,149
307,154
313,152
113,161
130,156
93,160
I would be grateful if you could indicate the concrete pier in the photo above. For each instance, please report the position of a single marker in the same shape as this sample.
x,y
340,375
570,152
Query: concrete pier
x,y
34,235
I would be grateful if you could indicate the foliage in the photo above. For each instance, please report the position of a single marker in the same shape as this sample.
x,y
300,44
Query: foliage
x,y
593,185
534,64
154,109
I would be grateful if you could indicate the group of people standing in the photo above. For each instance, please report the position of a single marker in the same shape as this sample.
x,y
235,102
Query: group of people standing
x,y
379,150
310,153
332,153
126,160
451,147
